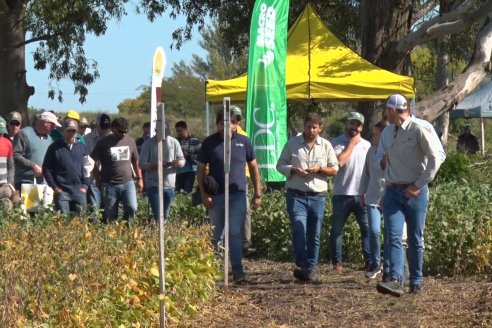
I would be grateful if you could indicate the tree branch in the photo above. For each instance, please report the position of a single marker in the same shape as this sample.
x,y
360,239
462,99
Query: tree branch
x,y
32,40
424,10
449,23
443,100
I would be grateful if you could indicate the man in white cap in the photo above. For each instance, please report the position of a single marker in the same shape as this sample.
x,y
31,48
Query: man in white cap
x,y
406,196
351,150
63,169
6,166
30,146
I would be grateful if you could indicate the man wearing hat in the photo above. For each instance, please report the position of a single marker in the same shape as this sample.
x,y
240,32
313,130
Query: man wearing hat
x,y
15,121
102,129
406,197
6,167
58,133
242,153
467,142
84,128
351,150
30,146
63,169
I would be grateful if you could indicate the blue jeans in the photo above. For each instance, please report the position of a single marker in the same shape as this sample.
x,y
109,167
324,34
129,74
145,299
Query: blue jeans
x,y
398,209
75,202
306,215
343,206
237,213
93,196
374,217
113,194
153,195
185,181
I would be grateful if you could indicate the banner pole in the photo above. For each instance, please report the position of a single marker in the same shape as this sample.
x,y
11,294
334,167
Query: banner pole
x,y
227,168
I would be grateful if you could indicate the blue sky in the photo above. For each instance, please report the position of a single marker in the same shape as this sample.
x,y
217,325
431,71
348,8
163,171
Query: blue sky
x,y
124,55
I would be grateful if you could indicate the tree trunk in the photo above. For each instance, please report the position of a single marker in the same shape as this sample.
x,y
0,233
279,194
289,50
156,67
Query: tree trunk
x,y
383,24
442,74
14,90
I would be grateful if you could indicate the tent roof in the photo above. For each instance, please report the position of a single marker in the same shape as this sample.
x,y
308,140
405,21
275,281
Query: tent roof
x,y
320,66
476,105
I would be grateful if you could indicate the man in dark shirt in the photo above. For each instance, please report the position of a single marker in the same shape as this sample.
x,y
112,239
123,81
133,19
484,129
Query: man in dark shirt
x,y
242,153
117,153
63,168
467,142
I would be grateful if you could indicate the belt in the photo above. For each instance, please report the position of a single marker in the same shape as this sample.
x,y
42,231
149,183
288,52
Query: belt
x,y
306,193
401,186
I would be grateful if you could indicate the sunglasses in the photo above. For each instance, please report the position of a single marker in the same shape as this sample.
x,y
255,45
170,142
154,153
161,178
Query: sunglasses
x,y
14,123
122,131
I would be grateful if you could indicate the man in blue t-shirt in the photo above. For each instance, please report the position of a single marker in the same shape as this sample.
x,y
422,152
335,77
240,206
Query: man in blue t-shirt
x,y
242,153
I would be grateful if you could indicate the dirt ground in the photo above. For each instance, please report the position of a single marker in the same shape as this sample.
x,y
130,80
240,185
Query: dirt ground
x,y
273,298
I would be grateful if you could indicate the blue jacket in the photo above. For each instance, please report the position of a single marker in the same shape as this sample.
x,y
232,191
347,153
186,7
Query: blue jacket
x,y
63,167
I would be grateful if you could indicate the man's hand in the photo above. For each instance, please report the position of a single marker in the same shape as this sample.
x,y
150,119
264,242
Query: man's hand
x,y
83,190
38,170
299,171
207,200
411,191
362,201
314,169
257,201
140,185
355,139
57,190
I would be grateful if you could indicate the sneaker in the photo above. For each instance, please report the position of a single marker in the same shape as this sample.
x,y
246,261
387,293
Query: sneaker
x,y
306,275
393,287
373,271
386,277
301,274
415,289
239,277
338,267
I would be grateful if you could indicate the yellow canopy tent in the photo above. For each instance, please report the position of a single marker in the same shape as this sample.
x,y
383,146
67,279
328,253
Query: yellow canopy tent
x,y
320,66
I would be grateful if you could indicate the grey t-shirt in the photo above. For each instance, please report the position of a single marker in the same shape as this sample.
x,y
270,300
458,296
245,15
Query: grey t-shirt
x,y
347,180
116,158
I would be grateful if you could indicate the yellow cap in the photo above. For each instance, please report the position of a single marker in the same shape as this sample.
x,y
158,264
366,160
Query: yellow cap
x,y
73,114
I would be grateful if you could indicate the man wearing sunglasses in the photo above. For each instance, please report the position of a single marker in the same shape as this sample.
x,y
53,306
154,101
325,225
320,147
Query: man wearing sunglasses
x,y
118,156
15,121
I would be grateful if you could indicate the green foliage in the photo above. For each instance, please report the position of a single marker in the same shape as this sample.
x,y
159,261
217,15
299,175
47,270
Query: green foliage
x,y
60,273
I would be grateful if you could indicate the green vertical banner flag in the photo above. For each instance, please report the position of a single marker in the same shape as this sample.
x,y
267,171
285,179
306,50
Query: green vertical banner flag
x,y
266,98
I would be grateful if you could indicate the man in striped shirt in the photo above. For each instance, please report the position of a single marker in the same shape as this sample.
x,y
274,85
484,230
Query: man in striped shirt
x,y
6,166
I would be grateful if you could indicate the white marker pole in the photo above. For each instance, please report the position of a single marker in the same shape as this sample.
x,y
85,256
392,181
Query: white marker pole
x,y
159,64
227,168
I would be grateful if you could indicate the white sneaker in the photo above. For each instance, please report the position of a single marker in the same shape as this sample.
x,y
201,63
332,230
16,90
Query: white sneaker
x,y
373,272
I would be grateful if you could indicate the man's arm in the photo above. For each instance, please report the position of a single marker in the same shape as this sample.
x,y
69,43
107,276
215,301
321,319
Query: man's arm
x,y
200,177
47,166
344,156
21,147
255,178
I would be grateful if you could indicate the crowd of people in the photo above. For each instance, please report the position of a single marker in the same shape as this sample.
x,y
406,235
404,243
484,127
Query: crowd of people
x,y
101,167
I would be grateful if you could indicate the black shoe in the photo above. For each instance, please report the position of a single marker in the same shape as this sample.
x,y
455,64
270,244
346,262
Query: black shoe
x,y
415,289
393,287
301,274
386,277
239,277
